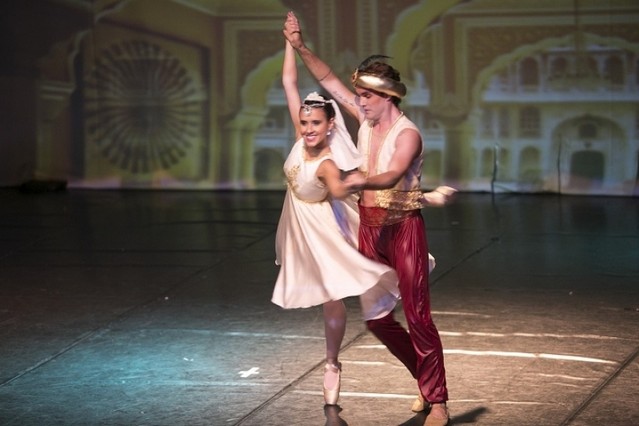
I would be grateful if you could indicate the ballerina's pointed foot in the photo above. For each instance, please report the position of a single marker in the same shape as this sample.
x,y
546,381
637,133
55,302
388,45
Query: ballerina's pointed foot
x,y
332,382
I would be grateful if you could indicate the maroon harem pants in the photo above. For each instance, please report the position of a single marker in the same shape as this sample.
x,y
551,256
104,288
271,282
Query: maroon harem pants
x,y
403,246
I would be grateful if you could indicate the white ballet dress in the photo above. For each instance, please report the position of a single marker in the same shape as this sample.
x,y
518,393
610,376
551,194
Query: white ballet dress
x,y
316,247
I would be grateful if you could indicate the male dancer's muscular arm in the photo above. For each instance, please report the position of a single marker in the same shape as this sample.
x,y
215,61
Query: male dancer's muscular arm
x,y
319,69
408,147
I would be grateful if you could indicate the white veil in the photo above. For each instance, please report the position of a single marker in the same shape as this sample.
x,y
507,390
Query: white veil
x,y
344,151
346,157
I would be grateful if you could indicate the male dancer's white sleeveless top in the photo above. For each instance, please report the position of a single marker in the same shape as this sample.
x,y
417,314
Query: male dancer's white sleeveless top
x,y
406,194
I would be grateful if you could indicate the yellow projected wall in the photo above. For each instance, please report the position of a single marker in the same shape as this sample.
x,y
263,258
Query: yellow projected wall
x,y
525,96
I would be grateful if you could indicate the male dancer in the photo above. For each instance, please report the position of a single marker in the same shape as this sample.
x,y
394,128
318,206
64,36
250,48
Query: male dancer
x,y
391,228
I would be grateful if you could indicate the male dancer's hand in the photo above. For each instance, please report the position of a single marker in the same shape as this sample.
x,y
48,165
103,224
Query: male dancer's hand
x,y
355,181
439,197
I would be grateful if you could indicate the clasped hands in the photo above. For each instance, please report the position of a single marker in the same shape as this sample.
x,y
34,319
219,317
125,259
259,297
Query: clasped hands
x,y
354,181
292,30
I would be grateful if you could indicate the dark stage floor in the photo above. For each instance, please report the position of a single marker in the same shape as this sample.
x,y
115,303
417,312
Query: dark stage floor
x,y
153,308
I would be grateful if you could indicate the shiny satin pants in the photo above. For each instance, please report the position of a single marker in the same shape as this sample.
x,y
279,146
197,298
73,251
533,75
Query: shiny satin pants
x,y
403,246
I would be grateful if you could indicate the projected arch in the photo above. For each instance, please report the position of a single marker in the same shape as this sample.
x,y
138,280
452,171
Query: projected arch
x,y
592,154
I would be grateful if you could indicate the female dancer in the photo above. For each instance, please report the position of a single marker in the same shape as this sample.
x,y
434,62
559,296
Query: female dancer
x,y
316,241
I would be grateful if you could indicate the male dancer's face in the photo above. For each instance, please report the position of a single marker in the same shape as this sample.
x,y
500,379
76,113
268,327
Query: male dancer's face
x,y
371,102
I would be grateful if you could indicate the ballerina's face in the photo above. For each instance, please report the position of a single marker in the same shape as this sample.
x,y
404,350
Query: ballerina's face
x,y
314,126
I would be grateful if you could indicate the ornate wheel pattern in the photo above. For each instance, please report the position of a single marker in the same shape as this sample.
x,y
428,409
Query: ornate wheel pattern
x,y
143,109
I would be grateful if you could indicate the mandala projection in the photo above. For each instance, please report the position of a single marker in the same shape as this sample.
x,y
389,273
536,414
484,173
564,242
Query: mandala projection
x,y
143,109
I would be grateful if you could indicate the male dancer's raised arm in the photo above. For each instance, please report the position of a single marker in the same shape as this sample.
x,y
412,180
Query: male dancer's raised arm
x,y
350,103
320,70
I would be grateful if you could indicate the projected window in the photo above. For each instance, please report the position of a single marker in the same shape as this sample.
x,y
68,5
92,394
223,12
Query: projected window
x,y
529,122
529,165
614,71
529,74
487,163
559,67
276,120
504,123
487,123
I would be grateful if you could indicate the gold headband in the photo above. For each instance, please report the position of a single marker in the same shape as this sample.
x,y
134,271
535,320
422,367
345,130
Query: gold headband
x,y
379,84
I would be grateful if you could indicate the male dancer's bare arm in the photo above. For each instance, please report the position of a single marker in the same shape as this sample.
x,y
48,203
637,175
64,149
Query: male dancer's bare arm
x,y
409,145
319,69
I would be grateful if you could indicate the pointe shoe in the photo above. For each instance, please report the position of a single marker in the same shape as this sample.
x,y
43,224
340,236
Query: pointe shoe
x,y
419,404
332,382
438,415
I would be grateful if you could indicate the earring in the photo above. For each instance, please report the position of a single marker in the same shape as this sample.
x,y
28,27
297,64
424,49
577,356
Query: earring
x,y
328,133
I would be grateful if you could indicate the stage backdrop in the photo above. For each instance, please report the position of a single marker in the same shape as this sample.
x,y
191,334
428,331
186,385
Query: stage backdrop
x,y
522,96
